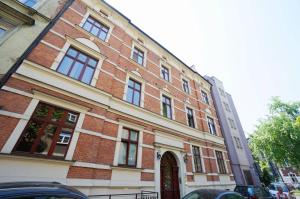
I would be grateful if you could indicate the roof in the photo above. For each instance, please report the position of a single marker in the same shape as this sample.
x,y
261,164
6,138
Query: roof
x,y
156,42
13,189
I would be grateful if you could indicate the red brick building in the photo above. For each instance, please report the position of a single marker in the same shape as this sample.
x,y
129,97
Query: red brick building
x,y
101,106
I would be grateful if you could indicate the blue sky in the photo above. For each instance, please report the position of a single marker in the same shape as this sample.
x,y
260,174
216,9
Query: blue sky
x,y
253,46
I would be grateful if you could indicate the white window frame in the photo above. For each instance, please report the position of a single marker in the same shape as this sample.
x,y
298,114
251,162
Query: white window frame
x,y
202,159
91,51
188,84
208,98
172,105
207,116
225,164
138,45
135,76
100,18
140,129
163,63
194,116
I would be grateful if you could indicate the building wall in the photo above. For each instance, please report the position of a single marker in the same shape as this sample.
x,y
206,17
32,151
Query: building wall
x,y
17,40
239,152
91,161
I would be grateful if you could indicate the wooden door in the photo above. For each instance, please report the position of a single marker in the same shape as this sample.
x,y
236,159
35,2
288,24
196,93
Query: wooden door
x,y
169,185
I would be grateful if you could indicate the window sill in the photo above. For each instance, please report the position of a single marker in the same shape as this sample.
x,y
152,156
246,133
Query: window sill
x,y
23,156
126,168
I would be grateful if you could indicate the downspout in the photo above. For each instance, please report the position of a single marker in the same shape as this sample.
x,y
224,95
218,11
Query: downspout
x,y
16,65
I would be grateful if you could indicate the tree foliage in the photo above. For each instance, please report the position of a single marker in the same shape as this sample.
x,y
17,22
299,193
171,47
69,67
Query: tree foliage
x,y
277,136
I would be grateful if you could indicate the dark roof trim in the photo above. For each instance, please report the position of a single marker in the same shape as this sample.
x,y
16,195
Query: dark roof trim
x,y
129,21
17,64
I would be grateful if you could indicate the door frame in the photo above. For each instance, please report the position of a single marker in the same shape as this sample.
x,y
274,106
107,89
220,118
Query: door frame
x,y
178,155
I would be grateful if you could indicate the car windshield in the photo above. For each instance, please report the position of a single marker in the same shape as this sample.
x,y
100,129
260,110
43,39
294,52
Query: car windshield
x,y
284,187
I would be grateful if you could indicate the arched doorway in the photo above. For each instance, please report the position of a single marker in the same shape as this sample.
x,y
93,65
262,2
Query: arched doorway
x,y
169,186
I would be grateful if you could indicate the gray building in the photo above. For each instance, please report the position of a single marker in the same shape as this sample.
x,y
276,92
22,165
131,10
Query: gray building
x,y
239,153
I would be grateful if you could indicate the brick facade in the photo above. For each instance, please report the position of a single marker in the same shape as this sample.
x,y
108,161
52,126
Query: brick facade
x,y
98,136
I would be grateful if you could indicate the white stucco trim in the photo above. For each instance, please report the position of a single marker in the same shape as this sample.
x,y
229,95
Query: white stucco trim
x,y
135,75
14,136
50,79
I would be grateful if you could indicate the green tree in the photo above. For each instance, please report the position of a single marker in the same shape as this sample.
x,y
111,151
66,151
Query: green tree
x,y
278,135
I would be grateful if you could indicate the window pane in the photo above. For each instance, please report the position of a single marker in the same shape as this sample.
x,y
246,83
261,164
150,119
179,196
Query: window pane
x,y
65,65
87,26
95,30
72,52
92,62
57,114
87,75
137,86
41,111
82,57
133,136
122,155
125,134
136,99
102,35
46,140
129,95
130,83
76,70
140,60
2,32
132,155
28,138
62,143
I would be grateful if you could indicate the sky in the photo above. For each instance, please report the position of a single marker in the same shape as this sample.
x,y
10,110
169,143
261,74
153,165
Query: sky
x,y
253,46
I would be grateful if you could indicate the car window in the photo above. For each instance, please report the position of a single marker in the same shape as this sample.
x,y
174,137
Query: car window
x,y
241,190
231,196
272,187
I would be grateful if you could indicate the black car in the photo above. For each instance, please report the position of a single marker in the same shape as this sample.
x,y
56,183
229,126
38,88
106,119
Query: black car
x,y
212,194
38,190
253,192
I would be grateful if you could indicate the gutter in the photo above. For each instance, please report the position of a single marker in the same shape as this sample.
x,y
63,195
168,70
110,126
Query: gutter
x,y
35,42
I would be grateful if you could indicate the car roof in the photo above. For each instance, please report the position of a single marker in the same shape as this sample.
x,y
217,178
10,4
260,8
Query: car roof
x,y
13,189
213,192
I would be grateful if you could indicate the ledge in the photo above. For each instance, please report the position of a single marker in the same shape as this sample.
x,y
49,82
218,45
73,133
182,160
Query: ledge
x,y
126,168
16,156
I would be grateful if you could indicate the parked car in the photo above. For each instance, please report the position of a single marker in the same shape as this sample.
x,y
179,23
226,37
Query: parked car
x,y
38,190
273,189
253,192
212,194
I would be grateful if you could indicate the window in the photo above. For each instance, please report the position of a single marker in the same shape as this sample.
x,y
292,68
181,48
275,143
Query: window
x,y
185,85
211,126
220,161
128,149
238,142
232,124
5,27
222,92
48,132
96,28
133,95
138,56
165,73
293,177
205,97
29,3
226,107
190,117
197,159
167,107
78,65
